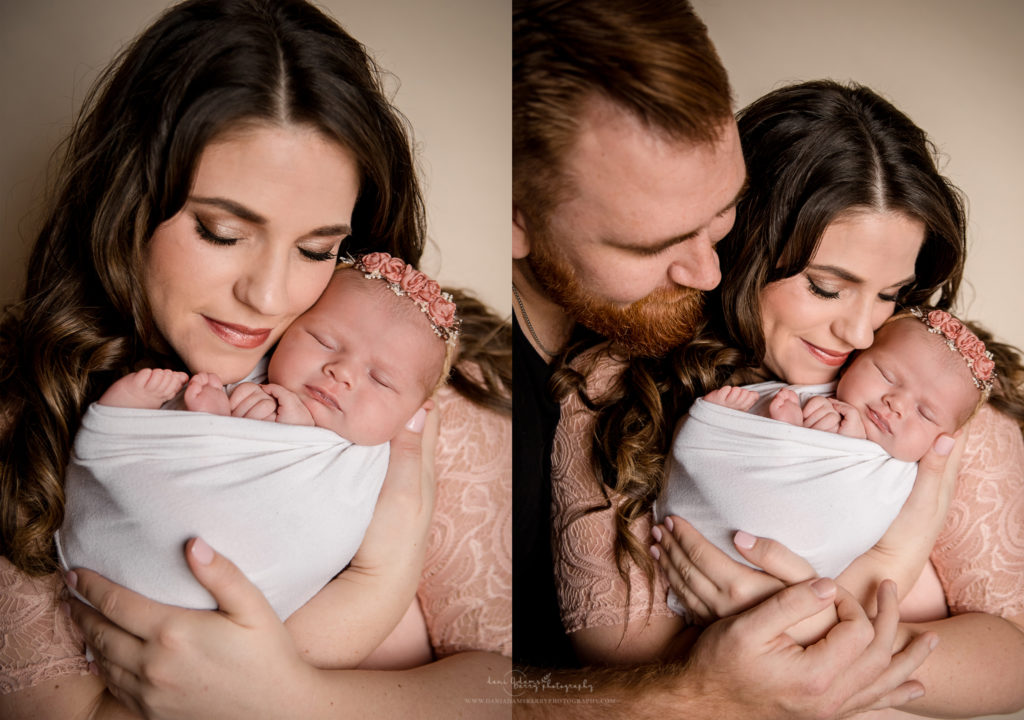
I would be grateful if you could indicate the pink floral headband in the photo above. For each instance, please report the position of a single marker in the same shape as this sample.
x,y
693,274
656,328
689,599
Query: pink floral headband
x,y
961,340
404,279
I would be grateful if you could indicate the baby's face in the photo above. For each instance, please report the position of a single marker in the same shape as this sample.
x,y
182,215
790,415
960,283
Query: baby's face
x,y
359,359
908,387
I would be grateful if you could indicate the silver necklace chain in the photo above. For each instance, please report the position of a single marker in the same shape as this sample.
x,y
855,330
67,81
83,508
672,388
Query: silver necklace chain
x,y
529,325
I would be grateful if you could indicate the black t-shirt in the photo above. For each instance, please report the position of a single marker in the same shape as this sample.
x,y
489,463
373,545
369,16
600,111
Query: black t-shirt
x,y
538,637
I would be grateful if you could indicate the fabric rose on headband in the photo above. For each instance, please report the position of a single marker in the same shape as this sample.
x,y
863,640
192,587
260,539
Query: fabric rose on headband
x,y
405,280
961,340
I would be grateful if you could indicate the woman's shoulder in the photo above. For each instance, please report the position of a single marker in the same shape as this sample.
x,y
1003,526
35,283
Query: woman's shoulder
x,y
37,641
993,436
460,413
466,589
978,554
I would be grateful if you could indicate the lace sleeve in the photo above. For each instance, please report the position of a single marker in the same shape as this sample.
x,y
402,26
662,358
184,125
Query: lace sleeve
x,y
591,592
37,642
466,589
979,555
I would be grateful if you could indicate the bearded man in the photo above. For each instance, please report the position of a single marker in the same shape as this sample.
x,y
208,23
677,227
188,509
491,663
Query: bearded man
x,y
622,184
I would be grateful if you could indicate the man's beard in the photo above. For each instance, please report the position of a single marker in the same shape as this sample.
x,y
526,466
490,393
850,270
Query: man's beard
x,y
649,327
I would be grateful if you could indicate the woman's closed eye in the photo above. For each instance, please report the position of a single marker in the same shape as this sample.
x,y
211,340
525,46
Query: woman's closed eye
x,y
820,291
207,234
318,255
891,297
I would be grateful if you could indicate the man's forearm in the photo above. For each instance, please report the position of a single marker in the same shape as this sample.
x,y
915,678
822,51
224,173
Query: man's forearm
x,y
654,692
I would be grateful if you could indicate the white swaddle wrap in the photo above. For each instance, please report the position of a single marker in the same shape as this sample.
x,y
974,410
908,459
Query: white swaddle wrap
x,y
825,496
288,504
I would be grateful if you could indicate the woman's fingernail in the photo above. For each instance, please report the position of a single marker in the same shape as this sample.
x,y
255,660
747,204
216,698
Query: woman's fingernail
x,y
669,524
916,693
202,552
416,422
93,669
656,532
655,552
71,579
823,587
944,445
744,540
933,643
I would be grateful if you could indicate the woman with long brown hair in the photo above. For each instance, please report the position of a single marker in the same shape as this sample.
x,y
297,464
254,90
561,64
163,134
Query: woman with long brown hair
x,y
845,217
220,166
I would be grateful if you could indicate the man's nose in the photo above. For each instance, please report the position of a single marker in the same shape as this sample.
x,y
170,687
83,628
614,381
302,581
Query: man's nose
x,y
696,264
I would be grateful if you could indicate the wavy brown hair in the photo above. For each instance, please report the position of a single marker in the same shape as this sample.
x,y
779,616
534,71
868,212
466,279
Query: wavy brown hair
x,y
813,151
1007,394
202,68
483,366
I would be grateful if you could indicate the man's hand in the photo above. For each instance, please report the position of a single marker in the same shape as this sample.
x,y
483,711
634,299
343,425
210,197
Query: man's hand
x,y
747,666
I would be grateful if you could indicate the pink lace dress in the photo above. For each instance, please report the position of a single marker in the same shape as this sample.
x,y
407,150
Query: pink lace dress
x,y
979,555
465,591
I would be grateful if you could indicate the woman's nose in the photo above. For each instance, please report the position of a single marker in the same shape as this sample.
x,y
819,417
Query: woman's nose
x,y
856,327
696,264
264,285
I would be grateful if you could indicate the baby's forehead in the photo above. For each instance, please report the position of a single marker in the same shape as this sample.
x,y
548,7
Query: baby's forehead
x,y
929,361
374,297
912,343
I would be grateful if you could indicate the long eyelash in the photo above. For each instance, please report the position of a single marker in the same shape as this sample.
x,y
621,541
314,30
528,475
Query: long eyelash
x,y
820,292
318,256
210,236
894,297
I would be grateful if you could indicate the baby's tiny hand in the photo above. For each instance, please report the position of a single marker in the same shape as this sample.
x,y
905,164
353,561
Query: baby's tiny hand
x,y
852,424
290,409
785,406
820,414
249,400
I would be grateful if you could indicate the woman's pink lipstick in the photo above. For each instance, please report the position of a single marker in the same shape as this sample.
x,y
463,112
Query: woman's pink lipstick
x,y
240,336
826,357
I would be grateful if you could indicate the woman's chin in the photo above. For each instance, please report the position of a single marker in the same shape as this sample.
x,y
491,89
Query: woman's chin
x,y
230,370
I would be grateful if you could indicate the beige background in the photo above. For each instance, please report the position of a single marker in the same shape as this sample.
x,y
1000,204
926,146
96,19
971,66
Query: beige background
x,y
451,67
956,68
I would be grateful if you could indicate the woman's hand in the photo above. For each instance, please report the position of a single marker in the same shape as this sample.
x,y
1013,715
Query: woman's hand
x,y
710,583
903,551
397,533
167,662
379,584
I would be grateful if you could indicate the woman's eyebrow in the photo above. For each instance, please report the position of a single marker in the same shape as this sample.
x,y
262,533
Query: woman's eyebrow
x,y
241,211
848,276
